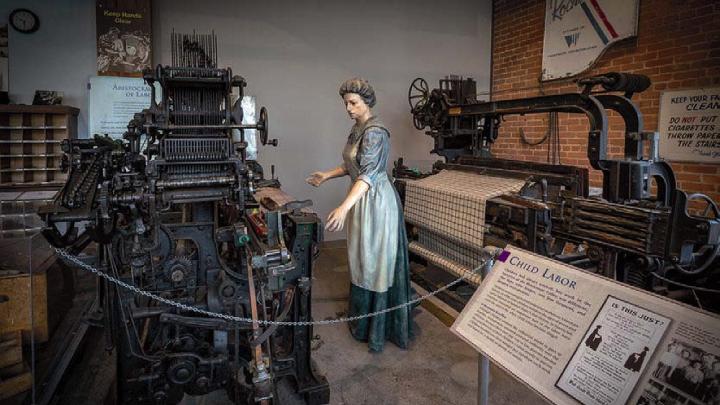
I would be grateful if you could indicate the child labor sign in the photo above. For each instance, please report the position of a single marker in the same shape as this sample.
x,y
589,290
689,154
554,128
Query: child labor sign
x,y
689,125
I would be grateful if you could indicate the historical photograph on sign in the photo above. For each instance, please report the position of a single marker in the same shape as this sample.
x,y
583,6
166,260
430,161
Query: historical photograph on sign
x,y
578,32
690,370
658,394
124,37
607,364
689,125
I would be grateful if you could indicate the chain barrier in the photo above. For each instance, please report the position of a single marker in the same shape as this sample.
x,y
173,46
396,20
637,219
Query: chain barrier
x,y
76,260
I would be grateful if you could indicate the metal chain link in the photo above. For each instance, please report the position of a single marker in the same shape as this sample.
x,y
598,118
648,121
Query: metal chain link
x,y
76,260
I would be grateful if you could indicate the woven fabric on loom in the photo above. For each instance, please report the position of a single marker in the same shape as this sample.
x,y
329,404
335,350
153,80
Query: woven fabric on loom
x,y
452,203
461,255
444,263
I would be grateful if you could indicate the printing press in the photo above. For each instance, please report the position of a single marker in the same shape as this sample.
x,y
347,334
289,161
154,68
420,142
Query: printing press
x,y
176,209
642,230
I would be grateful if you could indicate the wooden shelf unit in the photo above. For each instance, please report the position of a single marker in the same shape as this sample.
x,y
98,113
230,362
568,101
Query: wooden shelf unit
x,y
30,137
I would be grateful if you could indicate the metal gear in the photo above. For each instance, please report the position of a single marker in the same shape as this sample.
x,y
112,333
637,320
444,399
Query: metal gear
x,y
181,371
179,270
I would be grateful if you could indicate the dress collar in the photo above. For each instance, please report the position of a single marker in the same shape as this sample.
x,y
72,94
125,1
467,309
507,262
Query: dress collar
x,y
371,121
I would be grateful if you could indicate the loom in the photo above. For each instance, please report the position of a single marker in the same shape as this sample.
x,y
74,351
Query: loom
x,y
177,209
641,229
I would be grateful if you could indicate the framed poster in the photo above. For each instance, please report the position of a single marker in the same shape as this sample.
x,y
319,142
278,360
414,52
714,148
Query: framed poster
x,y
124,37
578,32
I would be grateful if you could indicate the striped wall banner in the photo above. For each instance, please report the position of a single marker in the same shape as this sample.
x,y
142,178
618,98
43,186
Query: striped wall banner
x,y
577,32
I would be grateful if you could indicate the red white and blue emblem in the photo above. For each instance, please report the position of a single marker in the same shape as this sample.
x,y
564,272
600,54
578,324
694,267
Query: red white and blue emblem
x,y
577,32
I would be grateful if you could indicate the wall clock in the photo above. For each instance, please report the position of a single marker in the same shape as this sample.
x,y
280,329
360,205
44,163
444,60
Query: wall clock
x,y
24,20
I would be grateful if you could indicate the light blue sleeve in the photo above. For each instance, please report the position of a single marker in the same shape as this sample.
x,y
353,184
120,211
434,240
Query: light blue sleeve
x,y
370,155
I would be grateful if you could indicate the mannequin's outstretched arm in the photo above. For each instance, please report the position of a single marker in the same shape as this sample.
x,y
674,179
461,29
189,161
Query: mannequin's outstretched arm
x,y
339,171
318,178
336,219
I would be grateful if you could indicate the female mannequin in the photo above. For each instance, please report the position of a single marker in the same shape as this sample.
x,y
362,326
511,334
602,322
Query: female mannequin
x,y
372,213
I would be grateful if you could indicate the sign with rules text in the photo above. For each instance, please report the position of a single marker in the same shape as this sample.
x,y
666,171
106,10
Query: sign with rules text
x,y
689,125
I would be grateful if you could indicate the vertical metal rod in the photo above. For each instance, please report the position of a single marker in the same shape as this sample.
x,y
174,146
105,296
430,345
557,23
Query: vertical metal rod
x,y
32,325
483,380
484,362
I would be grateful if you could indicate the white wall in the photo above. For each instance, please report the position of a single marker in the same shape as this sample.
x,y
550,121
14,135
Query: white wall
x,y
59,56
294,55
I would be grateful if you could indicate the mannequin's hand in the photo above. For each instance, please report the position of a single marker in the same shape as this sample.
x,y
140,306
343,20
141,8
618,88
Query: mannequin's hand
x,y
316,179
336,219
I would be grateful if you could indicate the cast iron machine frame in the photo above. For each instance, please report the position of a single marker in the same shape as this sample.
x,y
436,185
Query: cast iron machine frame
x,y
641,226
173,209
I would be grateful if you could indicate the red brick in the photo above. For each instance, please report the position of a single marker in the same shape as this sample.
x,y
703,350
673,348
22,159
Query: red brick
x,y
700,168
676,48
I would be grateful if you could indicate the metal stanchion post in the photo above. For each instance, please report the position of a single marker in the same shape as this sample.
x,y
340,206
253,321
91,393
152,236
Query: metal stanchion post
x,y
483,379
484,362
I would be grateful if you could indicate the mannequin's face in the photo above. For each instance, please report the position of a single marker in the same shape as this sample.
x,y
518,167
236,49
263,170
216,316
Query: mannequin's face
x,y
355,106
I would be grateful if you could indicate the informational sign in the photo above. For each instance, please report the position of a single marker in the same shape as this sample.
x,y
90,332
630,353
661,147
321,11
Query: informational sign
x,y
113,102
576,337
689,125
124,37
577,32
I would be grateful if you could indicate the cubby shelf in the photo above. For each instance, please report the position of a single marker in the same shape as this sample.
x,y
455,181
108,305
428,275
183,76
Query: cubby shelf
x,y
30,137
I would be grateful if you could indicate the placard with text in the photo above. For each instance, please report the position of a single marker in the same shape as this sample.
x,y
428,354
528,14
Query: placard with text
x,y
577,337
689,125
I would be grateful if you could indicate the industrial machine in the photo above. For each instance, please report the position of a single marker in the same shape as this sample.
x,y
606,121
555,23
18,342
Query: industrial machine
x,y
191,242
641,230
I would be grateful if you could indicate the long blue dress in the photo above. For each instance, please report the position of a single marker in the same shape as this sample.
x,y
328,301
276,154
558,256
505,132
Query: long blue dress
x,y
377,243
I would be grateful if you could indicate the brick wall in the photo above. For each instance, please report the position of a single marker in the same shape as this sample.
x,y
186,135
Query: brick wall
x,y
677,46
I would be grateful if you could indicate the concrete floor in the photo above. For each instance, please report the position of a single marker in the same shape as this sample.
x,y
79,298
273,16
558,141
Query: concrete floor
x,y
439,368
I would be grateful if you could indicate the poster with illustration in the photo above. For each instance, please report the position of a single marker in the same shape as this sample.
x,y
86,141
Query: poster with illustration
x,y
124,37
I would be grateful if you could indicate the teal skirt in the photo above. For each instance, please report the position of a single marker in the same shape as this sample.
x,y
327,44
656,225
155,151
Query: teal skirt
x,y
396,325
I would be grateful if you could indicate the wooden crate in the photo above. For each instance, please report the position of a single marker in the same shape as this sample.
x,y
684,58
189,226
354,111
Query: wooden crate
x,y
10,348
15,312
14,380
15,376
30,137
